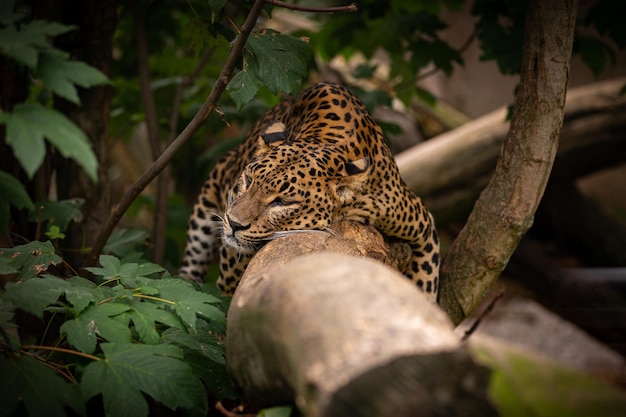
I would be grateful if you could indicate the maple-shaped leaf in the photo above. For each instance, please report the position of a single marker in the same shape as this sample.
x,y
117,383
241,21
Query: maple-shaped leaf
x,y
39,388
188,302
95,321
144,316
62,75
83,292
112,268
24,44
201,342
128,370
29,123
59,213
32,258
34,295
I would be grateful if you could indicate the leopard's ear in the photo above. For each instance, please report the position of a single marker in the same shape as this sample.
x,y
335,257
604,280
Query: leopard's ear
x,y
358,167
349,185
274,134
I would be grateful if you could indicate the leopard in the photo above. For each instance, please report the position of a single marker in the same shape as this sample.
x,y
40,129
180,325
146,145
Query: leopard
x,y
312,159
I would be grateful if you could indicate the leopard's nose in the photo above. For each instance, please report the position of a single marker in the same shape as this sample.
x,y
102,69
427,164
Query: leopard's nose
x,y
236,226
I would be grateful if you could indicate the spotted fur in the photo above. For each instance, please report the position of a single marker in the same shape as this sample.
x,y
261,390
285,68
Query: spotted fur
x,y
308,161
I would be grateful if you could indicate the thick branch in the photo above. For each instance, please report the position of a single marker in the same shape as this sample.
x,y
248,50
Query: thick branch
x,y
315,323
505,209
118,210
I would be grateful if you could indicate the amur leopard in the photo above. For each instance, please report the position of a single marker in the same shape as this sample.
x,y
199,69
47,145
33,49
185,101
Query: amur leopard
x,y
308,161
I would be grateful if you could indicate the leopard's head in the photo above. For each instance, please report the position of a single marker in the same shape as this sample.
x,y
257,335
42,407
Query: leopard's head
x,y
289,187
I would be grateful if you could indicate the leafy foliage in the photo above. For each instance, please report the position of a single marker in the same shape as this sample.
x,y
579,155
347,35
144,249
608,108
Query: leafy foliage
x,y
127,370
278,61
407,31
40,390
144,334
11,193
31,259
30,123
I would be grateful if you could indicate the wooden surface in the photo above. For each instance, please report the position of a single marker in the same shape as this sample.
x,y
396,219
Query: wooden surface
x,y
316,323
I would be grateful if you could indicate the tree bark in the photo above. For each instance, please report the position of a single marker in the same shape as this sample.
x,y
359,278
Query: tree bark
x,y
315,323
92,43
505,209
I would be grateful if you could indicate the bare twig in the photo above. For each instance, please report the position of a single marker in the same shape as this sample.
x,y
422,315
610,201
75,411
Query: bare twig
x,y
482,315
339,9
209,105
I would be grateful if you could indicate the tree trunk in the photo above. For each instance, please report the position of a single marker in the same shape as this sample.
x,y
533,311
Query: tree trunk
x,y
315,323
92,43
505,209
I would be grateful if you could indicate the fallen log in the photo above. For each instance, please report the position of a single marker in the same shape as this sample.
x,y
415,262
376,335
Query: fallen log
x,y
450,170
315,323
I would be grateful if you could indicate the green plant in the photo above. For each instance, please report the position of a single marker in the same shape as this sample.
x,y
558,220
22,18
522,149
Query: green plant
x,y
133,331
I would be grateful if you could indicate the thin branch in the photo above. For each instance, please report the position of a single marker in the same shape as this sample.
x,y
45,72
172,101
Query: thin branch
x,y
62,350
339,9
482,315
209,105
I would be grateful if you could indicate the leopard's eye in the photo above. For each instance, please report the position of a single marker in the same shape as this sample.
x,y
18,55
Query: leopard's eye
x,y
247,179
279,202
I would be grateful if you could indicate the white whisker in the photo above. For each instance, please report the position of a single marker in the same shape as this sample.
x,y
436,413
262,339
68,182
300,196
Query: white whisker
x,y
283,233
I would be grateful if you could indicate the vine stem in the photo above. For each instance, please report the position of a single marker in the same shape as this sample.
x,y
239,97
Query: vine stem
x,y
194,125
62,350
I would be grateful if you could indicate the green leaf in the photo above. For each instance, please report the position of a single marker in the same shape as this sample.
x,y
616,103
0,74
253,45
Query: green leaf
x,y
62,75
202,342
55,233
97,321
26,128
60,213
6,266
188,302
280,60
128,273
25,44
38,387
127,370
110,267
34,295
83,292
243,87
123,241
13,191
32,258
145,315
